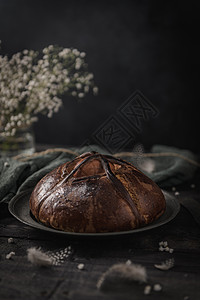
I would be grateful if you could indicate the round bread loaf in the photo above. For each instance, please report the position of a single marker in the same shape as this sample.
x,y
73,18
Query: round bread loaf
x,y
96,193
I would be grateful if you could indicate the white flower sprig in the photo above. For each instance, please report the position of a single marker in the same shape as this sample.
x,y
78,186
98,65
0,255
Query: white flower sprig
x,y
32,83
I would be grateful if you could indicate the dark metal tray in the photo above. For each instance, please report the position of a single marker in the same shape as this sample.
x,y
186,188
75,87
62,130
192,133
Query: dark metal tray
x,y
19,208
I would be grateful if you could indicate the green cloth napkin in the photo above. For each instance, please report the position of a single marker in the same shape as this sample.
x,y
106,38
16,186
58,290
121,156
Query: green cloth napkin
x,y
17,176
175,169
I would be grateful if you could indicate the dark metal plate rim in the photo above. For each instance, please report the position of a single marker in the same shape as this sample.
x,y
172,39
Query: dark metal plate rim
x,y
19,208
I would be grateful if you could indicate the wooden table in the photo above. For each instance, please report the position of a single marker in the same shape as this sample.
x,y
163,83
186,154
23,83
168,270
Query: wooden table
x,y
19,279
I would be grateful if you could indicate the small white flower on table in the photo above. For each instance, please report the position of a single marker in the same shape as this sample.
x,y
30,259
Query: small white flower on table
x,y
80,266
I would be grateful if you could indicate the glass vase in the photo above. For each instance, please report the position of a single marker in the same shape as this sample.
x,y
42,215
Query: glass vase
x,y
22,143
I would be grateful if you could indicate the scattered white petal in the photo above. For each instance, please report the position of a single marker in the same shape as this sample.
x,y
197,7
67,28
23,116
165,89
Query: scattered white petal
x,y
165,244
176,193
147,290
6,164
157,287
128,262
173,188
10,240
80,266
9,255
166,265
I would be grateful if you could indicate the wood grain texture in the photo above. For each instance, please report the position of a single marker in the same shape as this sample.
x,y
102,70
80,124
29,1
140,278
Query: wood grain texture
x,y
20,280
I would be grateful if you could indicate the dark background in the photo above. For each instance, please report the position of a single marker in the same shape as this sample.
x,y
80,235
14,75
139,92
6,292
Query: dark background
x,y
151,46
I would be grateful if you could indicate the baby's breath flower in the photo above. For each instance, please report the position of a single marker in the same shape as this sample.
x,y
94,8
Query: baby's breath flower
x,y
75,52
78,86
82,54
81,95
86,88
74,93
31,84
95,90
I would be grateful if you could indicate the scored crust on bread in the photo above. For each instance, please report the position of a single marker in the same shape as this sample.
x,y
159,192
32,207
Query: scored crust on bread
x,y
96,193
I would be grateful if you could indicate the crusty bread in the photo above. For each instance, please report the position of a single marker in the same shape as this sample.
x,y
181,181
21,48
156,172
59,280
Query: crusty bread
x,y
96,193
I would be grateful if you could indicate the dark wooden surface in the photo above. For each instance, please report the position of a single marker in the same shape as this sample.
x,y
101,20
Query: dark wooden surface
x,y
19,279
